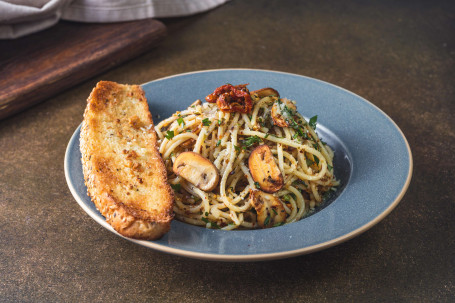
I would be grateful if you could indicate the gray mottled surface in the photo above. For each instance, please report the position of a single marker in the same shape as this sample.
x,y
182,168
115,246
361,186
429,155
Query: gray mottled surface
x,y
400,56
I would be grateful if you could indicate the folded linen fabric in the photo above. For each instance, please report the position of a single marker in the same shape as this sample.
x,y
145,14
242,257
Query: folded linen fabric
x,y
22,17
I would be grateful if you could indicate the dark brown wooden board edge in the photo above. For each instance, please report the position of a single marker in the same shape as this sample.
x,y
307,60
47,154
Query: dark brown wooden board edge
x,y
34,95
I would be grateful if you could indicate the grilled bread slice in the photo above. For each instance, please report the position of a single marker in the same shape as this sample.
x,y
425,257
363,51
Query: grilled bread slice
x,y
123,170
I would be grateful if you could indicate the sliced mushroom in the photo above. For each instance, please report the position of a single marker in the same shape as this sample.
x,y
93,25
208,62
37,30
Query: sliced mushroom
x,y
197,170
264,92
282,111
264,169
269,209
195,103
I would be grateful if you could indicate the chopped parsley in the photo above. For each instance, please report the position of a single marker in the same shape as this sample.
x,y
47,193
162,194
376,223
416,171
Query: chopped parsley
x,y
180,121
286,198
266,136
212,224
309,162
296,125
329,167
257,185
305,136
278,224
249,141
176,187
313,121
169,134
267,220
316,159
218,143
206,122
326,195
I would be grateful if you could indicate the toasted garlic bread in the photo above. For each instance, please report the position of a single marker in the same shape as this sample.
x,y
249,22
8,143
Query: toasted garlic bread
x,y
123,170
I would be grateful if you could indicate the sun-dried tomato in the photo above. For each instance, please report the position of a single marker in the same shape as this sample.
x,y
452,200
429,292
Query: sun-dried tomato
x,y
231,98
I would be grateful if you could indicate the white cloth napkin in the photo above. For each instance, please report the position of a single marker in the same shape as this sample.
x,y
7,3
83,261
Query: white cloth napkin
x,y
22,17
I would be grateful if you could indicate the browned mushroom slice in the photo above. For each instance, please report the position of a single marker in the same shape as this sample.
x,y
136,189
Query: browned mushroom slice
x,y
270,210
282,111
264,92
197,102
264,169
197,170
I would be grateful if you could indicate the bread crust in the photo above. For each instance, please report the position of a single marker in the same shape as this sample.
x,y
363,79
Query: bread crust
x,y
124,173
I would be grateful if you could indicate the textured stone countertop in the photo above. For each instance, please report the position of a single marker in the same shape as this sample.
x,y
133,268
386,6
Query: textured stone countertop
x,y
397,54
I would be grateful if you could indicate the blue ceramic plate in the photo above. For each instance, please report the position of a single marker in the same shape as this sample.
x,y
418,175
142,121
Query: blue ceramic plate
x,y
372,159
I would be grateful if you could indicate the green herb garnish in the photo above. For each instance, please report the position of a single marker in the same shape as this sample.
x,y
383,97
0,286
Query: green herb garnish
x,y
218,143
313,121
248,142
214,225
176,187
326,195
267,220
257,185
305,136
206,122
180,121
309,162
296,125
169,134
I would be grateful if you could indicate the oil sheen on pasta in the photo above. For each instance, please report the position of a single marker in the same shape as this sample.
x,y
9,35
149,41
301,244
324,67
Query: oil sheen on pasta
x,y
227,140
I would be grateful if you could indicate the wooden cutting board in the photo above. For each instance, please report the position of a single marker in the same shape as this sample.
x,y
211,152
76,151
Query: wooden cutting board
x,y
38,66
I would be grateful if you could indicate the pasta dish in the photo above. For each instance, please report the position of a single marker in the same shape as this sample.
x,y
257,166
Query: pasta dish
x,y
244,160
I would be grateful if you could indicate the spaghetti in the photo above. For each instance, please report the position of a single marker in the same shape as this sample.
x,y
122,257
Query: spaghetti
x,y
226,132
